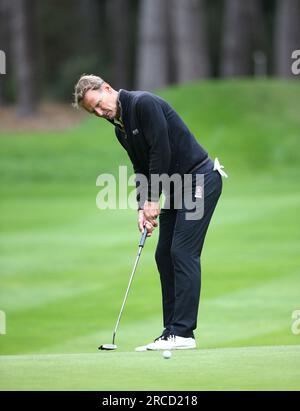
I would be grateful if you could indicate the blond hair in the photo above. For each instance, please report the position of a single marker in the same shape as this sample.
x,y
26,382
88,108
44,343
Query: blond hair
x,y
85,83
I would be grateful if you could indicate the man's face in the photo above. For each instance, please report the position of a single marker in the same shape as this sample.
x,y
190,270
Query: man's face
x,y
103,102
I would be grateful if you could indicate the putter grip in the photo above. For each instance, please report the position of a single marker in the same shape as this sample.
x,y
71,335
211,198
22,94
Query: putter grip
x,y
143,238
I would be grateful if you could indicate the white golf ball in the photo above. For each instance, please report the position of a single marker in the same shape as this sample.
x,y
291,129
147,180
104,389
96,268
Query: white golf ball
x,y
167,354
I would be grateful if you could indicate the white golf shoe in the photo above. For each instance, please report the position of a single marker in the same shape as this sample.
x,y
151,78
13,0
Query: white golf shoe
x,y
144,347
172,342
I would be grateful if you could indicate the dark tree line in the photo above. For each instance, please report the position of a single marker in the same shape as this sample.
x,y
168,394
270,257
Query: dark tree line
x,y
143,44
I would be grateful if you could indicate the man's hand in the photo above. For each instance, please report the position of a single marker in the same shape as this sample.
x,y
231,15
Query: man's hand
x,y
142,221
151,212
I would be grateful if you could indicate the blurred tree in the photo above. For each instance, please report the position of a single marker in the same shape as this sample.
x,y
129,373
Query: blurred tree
x,y
87,18
243,34
24,56
269,7
74,41
118,18
139,43
152,49
213,22
189,37
287,35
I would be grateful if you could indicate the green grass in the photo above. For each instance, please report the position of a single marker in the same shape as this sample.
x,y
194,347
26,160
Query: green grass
x,y
249,368
65,264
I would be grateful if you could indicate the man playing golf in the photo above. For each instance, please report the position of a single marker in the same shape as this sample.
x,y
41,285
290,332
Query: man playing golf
x,y
159,143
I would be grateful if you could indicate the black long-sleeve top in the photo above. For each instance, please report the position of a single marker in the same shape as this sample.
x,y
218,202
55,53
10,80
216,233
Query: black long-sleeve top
x,y
155,137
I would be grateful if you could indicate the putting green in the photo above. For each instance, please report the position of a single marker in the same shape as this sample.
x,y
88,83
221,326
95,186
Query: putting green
x,y
247,368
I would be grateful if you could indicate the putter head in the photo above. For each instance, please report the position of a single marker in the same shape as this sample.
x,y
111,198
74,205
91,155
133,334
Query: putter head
x,y
108,347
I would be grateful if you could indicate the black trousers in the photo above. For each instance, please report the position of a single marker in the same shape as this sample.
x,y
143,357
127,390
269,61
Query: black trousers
x,y
178,255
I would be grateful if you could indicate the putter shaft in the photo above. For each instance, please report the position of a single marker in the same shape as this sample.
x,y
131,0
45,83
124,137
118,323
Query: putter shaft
x,y
141,245
126,294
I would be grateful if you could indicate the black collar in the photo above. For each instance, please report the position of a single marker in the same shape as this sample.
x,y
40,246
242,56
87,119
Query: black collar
x,y
124,99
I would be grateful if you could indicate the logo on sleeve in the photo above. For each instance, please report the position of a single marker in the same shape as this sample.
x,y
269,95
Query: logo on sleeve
x,y
135,132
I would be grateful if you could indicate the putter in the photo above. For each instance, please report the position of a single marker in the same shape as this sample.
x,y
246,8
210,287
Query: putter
x,y
113,346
